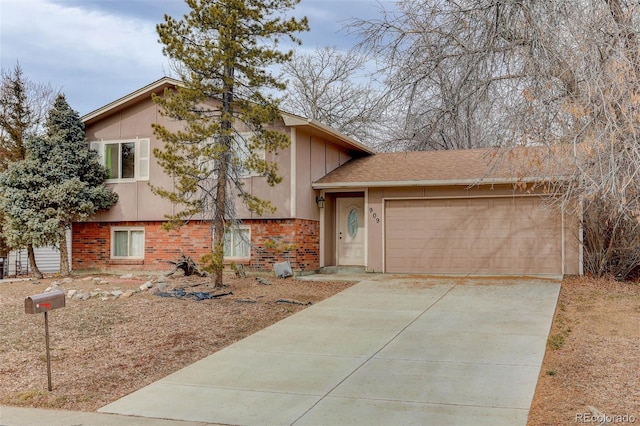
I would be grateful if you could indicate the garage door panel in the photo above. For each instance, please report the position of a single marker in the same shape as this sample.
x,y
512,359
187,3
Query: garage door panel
x,y
483,236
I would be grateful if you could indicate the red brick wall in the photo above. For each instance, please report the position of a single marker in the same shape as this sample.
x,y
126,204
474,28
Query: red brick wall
x,y
295,240
91,245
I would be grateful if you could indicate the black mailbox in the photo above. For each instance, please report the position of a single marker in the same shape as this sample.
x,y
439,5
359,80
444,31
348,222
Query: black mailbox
x,y
44,302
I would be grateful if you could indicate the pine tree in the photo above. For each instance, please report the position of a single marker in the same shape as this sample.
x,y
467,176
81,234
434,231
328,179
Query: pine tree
x,y
222,50
59,182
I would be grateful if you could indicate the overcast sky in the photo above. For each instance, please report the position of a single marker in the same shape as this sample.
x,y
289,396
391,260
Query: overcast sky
x,y
96,51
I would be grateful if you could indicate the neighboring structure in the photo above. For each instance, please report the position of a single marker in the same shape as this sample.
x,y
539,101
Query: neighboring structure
x,y
339,204
47,258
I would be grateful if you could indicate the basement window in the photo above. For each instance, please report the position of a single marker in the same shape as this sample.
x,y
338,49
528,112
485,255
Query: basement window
x,y
127,243
237,243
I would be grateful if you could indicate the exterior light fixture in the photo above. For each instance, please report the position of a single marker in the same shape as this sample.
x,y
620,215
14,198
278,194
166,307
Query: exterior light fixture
x,y
320,202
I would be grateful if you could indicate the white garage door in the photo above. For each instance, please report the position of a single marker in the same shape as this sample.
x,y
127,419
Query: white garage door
x,y
513,235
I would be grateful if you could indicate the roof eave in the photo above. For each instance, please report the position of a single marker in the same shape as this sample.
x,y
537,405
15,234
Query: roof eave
x,y
292,120
131,97
444,182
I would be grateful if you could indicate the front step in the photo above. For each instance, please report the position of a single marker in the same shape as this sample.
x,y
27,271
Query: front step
x,y
342,270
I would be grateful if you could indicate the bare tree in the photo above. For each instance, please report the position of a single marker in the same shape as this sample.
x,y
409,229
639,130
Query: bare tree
x,y
333,87
519,73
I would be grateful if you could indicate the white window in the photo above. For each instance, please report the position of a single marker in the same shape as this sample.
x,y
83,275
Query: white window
x,y
127,243
237,243
126,160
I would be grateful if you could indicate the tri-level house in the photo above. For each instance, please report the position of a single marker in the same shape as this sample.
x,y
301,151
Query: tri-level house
x,y
340,203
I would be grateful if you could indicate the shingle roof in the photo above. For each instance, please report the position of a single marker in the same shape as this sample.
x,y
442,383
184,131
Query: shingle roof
x,y
433,168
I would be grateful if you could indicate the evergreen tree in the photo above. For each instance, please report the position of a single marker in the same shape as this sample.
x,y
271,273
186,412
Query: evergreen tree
x,y
222,50
59,182
22,106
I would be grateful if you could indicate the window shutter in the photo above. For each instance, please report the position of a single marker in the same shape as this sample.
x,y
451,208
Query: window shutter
x,y
143,159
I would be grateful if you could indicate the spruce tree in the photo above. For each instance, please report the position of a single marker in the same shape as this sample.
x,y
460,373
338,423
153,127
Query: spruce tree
x,y
222,50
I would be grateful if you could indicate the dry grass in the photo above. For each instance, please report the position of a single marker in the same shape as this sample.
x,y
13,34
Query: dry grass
x,y
593,354
103,350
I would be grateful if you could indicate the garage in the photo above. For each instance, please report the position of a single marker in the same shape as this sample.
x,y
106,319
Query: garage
x,y
485,235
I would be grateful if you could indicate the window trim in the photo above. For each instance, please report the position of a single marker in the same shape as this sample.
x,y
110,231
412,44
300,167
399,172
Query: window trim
x,y
234,229
129,229
141,163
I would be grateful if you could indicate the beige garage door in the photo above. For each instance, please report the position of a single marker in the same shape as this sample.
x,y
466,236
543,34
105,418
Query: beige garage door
x,y
472,236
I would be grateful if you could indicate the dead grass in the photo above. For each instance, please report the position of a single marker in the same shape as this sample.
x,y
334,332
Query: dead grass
x,y
102,350
593,355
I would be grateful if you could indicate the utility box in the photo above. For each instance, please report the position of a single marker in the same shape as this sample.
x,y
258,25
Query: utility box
x,y
44,302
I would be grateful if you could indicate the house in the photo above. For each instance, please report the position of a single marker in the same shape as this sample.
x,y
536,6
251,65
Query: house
x,y
339,203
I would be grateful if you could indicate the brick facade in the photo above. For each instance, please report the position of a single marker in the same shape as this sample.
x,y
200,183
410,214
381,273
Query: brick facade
x,y
274,240
295,240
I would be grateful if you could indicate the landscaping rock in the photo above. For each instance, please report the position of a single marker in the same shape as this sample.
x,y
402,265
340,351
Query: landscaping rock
x,y
126,276
71,293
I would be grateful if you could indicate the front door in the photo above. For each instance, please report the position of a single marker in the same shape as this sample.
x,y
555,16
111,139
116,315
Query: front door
x,y
350,238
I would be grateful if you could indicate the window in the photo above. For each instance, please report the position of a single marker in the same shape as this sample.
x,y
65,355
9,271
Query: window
x,y
242,152
237,243
125,160
127,243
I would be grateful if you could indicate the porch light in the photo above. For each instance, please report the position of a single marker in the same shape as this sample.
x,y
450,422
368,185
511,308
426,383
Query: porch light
x,y
320,202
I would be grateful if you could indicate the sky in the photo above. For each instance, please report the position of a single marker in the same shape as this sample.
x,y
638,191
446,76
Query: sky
x,y
96,51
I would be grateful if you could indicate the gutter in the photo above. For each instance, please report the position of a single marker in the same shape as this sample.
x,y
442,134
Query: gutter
x,y
445,182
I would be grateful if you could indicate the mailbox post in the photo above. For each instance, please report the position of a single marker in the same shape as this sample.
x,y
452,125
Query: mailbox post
x,y
43,303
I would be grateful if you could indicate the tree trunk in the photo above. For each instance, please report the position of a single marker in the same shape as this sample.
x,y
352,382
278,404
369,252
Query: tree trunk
x,y
221,189
64,255
32,261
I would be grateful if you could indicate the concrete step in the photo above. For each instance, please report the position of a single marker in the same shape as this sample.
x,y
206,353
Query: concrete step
x,y
342,270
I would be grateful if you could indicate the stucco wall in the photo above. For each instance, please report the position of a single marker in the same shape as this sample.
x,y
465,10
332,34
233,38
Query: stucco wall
x,y
137,201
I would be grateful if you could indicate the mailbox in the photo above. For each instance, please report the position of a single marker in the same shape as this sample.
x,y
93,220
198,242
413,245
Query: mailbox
x,y
44,302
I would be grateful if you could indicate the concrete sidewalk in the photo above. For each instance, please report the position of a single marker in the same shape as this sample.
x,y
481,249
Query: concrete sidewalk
x,y
17,416
389,350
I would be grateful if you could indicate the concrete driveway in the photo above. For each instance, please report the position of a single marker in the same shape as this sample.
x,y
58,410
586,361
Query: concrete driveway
x,y
391,350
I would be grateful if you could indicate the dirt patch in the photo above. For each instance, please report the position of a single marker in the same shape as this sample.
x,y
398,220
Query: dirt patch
x,y
593,356
103,349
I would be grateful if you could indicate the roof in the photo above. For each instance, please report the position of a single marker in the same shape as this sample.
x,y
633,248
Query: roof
x,y
290,120
435,168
